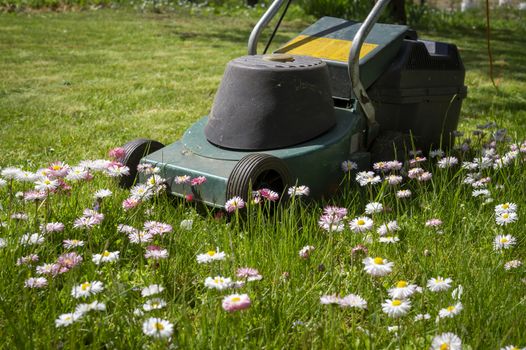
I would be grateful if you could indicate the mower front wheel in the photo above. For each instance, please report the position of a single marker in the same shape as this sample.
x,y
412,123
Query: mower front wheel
x,y
256,171
135,150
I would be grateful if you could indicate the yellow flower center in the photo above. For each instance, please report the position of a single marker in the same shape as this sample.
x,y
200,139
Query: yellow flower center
x,y
503,240
218,280
505,206
378,261
444,346
155,303
85,285
401,284
211,253
361,222
74,241
396,302
159,326
505,215
440,279
47,181
450,308
235,299
56,167
106,253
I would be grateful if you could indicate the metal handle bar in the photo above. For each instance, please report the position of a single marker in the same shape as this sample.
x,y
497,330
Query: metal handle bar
x,y
354,61
262,23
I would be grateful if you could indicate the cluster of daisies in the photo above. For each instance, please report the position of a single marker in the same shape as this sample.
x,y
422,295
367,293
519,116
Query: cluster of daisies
x,y
235,301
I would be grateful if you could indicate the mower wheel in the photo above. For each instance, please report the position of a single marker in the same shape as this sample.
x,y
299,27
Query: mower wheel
x,y
390,145
135,150
256,171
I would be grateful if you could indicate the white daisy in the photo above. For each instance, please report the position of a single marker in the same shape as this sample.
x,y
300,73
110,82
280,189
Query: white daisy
x,y
94,306
506,208
210,256
403,290
103,193
65,320
389,239
353,300
396,307
106,256
365,178
72,243
154,304
450,311
391,226
218,282
377,266
439,284
505,218
512,264
403,194
186,224
87,288
329,299
421,317
361,224
373,208
504,242
157,328
298,191
512,347
446,341
32,239
152,289
46,184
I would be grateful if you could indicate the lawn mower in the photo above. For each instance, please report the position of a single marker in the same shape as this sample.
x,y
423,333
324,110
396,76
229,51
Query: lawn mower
x,y
340,90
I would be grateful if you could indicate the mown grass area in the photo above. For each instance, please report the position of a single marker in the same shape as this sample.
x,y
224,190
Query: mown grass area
x,y
76,83
73,85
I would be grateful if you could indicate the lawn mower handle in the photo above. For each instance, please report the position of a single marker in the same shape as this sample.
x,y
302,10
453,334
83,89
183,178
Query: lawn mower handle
x,y
354,56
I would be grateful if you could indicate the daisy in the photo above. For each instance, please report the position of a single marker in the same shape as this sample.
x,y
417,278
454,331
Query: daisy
x,y
210,256
361,224
306,251
331,223
402,290
87,288
82,309
116,170
19,216
353,300
457,292
393,180
72,243
26,176
447,162
10,173
513,264
141,192
446,341
130,203
67,261
433,223
3,243
35,282
390,227
3,183
234,204
25,260
183,179
381,166
504,242
198,181
506,208
157,228
365,178
85,222
403,194
377,266
118,154
106,256
298,191
78,173
248,273
218,282
103,193
157,328
52,227
152,289
65,320
155,253
235,302
140,237
157,182
348,165
154,304
512,347
505,218
329,299
373,208
32,239
396,307
46,184
450,311
268,194
437,153
481,193
439,284
389,239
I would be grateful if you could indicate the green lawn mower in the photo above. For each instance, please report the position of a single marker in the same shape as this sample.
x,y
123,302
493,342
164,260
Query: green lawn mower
x,y
340,90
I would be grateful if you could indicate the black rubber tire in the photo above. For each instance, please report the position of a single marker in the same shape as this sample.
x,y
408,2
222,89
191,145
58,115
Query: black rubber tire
x,y
135,150
390,145
256,171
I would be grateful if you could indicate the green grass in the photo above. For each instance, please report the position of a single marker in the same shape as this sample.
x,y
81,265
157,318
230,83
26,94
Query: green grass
x,y
73,85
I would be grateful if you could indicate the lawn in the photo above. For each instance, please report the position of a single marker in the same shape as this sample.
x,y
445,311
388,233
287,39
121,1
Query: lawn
x,y
74,85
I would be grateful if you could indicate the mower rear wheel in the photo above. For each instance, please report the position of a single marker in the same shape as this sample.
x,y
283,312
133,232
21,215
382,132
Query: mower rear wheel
x,y
135,150
256,171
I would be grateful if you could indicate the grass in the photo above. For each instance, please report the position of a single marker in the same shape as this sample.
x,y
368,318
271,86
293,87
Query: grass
x,y
75,84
